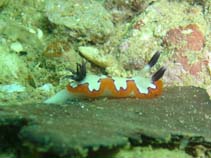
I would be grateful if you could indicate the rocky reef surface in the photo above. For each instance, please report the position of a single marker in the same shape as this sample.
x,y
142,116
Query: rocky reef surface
x,y
115,37
42,40
169,126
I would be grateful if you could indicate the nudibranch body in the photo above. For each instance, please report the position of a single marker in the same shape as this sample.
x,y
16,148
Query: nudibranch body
x,y
94,86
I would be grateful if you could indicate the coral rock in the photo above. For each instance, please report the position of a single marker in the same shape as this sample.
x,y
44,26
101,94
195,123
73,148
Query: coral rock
x,y
193,69
56,48
86,20
185,38
12,67
93,55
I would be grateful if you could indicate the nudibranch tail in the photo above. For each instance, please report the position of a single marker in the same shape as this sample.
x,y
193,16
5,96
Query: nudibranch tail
x,y
95,86
59,98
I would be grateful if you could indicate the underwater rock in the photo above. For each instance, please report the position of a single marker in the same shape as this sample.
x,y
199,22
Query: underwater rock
x,y
85,20
21,39
3,3
185,38
93,55
149,152
209,61
12,68
180,119
16,47
57,48
59,58
122,10
193,68
150,28
11,88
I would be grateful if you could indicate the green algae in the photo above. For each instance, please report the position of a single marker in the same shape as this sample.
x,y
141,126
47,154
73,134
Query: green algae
x,y
151,153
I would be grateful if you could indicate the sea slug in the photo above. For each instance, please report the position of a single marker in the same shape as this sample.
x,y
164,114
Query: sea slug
x,y
84,85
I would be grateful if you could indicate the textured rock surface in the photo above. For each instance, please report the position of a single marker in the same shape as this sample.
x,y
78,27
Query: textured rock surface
x,y
181,118
185,38
184,28
151,26
83,18
12,68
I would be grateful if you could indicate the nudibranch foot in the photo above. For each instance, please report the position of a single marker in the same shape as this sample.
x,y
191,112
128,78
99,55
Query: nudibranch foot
x,y
59,98
84,85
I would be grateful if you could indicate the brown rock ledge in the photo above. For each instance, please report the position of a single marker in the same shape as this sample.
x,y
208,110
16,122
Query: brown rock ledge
x,y
181,118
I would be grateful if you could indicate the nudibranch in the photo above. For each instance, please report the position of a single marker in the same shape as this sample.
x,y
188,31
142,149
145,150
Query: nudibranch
x,y
84,85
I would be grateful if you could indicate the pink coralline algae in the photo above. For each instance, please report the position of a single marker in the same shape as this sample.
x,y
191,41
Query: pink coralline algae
x,y
185,38
194,68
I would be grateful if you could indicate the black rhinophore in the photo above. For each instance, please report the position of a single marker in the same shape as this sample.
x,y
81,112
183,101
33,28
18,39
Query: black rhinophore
x,y
80,72
154,59
158,74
